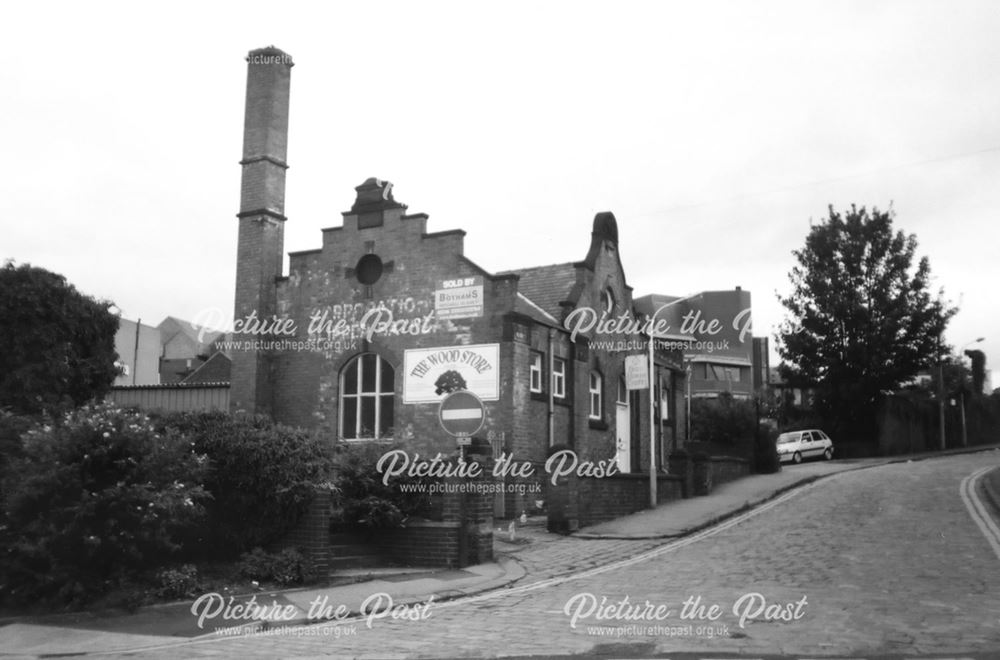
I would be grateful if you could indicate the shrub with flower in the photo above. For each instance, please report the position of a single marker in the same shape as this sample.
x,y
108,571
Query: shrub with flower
x,y
94,497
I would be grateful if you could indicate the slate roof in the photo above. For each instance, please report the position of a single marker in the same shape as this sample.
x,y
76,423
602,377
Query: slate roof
x,y
546,286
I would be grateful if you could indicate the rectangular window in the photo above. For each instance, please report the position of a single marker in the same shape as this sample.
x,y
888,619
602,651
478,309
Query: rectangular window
x,y
535,371
559,377
595,396
664,400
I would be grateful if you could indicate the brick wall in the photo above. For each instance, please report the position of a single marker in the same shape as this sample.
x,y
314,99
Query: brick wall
x,y
311,534
462,536
260,242
577,502
712,471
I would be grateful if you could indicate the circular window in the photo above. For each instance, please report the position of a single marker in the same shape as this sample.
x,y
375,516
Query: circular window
x,y
369,269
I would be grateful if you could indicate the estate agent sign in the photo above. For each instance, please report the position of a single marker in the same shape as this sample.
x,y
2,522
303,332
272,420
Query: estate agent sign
x,y
459,298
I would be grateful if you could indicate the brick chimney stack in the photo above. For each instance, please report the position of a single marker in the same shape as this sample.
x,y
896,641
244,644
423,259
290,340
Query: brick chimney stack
x,y
260,247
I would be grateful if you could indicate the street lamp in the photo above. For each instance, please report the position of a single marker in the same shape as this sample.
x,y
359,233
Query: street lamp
x,y
653,335
961,392
941,388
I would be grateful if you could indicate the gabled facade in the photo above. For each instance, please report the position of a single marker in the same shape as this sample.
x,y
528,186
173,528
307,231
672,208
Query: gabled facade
x,y
366,334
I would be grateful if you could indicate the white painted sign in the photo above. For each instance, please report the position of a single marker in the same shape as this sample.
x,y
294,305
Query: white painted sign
x,y
430,374
460,298
637,372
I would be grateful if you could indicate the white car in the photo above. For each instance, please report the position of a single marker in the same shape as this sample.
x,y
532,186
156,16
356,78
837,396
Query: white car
x,y
795,446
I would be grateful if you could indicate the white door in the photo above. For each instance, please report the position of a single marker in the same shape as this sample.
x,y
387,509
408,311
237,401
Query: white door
x,y
624,439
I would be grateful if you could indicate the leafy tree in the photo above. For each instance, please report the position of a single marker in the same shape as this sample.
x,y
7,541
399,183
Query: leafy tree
x,y
978,374
59,345
861,318
956,378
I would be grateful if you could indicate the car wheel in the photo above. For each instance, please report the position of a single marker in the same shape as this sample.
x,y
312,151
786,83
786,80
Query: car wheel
x,y
796,457
828,454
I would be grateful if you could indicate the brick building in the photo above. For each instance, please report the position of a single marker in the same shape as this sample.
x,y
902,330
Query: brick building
x,y
365,335
723,357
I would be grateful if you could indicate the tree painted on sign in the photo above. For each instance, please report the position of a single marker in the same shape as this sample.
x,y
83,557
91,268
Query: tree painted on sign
x,y
448,382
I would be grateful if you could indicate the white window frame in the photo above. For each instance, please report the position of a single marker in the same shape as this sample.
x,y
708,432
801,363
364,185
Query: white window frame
x,y
356,398
596,397
559,378
664,398
535,373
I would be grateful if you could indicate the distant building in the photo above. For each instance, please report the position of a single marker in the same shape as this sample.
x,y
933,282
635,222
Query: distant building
x,y
138,348
721,355
184,348
782,391
215,369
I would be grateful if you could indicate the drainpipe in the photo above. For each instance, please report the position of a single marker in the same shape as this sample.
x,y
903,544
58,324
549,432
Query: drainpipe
x,y
552,400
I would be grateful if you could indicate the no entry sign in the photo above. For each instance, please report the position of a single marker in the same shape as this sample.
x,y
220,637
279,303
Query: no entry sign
x,y
461,414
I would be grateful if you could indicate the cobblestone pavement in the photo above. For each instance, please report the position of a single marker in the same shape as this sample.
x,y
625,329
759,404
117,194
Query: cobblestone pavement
x,y
875,561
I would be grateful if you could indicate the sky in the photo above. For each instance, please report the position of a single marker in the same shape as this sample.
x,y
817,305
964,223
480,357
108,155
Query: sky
x,y
716,132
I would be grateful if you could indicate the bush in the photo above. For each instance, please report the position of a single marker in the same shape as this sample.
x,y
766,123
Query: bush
x,y
286,568
12,427
262,476
177,583
723,421
363,499
95,497
766,457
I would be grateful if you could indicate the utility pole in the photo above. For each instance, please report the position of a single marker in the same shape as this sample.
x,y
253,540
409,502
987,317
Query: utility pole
x,y
941,390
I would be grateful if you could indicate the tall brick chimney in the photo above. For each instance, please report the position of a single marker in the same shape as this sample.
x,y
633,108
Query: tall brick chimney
x,y
260,247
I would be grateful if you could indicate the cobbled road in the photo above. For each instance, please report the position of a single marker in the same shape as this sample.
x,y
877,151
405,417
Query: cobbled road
x,y
885,560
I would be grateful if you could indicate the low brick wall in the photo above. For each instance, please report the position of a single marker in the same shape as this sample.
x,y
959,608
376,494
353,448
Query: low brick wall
x,y
699,474
422,543
311,533
576,502
681,466
728,468
462,536
612,497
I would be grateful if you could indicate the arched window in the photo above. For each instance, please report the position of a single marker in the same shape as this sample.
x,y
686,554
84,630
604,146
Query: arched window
x,y
367,397
608,301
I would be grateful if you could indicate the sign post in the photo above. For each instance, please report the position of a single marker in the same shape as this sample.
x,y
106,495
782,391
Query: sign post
x,y
639,376
652,427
